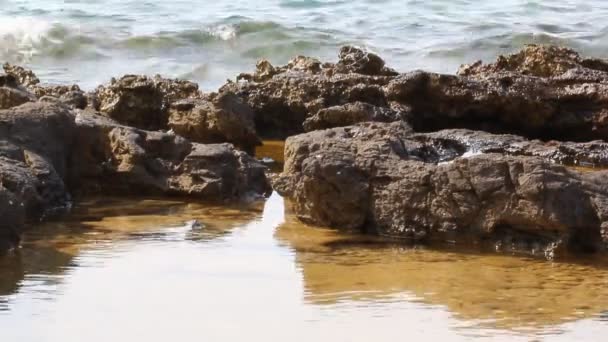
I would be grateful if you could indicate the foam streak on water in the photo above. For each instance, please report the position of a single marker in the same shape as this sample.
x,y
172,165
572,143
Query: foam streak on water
x,y
208,41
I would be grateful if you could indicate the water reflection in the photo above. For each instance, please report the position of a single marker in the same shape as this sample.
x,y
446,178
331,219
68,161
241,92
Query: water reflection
x,y
99,223
490,290
139,267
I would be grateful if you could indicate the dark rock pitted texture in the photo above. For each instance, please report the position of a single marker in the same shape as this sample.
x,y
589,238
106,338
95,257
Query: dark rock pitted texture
x,y
284,97
48,152
71,96
350,114
155,103
35,141
539,92
384,179
536,60
12,94
217,118
148,162
142,101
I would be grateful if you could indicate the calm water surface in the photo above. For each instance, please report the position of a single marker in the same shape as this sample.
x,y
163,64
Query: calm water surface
x,y
137,270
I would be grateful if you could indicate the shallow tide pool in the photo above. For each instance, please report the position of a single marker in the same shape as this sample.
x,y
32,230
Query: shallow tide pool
x,y
140,270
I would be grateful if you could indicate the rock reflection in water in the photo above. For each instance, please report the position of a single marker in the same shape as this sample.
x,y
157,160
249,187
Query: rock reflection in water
x,y
493,290
51,248
134,265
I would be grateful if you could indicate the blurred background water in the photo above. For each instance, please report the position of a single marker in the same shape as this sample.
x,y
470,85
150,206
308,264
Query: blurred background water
x,y
89,41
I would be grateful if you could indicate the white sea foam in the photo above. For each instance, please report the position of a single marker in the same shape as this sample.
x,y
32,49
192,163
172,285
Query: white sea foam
x,y
223,32
20,37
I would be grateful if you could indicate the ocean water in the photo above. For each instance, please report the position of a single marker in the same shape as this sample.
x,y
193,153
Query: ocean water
x,y
89,41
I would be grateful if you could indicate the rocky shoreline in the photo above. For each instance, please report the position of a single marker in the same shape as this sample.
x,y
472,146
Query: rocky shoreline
x,y
514,153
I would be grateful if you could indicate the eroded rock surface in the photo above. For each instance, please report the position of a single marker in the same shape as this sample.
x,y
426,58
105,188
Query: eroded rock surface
x,y
350,114
49,152
539,92
153,162
35,141
12,94
384,179
142,101
216,118
284,97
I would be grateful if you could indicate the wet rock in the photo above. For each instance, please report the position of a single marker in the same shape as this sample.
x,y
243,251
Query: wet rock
x,y
350,114
71,96
142,101
285,97
12,93
219,118
34,147
569,107
12,219
153,162
352,59
536,60
24,76
383,179
541,92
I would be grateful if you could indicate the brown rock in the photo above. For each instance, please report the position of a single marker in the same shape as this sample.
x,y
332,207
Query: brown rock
x,y
220,118
567,107
381,178
142,101
146,162
535,60
12,94
352,59
350,114
25,77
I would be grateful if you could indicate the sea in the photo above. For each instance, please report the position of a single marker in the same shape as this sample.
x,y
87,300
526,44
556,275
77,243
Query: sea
x,y
88,42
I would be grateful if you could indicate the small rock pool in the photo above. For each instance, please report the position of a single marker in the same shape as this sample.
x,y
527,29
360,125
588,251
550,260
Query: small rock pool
x,y
140,270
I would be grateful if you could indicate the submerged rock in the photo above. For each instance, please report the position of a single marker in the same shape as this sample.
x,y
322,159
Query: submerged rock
x,y
384,179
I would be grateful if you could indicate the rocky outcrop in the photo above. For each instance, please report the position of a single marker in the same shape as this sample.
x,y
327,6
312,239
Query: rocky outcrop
x,y
142,101
350,114
569,107
49,152
382,178
12,93
284,97
155,103
539,92
217,118
536,60
35,141
71,96
153,162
